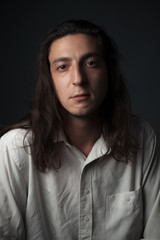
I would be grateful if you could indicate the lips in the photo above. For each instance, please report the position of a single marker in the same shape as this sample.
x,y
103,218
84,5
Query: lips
x,y
82,96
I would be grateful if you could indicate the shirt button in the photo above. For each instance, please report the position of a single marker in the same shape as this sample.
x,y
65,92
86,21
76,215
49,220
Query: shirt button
x,y
86,219
86,191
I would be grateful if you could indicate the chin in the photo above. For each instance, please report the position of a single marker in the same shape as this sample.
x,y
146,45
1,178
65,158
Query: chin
x,y
84,114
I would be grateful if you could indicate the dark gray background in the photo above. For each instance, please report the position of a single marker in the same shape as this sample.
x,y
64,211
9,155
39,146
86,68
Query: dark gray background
x,y
134,25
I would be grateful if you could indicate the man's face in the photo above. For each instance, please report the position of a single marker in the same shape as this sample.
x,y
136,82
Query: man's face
x,y
79,73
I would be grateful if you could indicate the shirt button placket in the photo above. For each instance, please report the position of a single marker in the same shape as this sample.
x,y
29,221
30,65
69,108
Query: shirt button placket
x,y
85,231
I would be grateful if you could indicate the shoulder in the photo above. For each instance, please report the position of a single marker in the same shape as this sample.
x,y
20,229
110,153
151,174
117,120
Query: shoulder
x,y
15,145
146,141
142,129
16,138
15,151
142,124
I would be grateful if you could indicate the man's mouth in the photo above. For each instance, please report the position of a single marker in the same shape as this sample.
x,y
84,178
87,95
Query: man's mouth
x,y
80,97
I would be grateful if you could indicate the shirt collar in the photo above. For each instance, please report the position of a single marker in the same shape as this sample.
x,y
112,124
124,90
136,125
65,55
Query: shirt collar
x,y
61,137
99,149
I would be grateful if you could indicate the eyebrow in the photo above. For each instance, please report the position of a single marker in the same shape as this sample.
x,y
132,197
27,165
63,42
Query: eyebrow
x,y
61,59
88,55
83,58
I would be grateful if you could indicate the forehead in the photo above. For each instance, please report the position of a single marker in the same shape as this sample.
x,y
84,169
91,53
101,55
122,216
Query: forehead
x,y
76,44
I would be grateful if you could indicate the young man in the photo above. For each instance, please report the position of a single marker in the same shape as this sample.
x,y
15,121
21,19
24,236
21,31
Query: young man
x,y
79,165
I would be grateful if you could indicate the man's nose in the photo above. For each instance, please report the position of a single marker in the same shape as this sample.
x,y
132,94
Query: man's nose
x,y
78,77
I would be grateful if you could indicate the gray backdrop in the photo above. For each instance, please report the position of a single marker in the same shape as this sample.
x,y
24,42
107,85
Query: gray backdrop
x,y
134,25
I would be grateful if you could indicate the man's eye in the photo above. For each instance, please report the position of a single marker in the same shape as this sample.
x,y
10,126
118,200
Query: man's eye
x,y
91,63
62,67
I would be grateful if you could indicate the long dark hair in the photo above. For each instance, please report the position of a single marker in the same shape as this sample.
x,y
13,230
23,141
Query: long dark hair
x,y
44,117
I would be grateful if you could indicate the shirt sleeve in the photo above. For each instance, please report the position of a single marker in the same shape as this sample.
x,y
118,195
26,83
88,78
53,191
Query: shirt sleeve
x,y
151,192
12,195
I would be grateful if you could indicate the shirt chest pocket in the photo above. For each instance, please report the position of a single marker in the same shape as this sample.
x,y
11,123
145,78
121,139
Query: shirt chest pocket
x,y
125,200
124,215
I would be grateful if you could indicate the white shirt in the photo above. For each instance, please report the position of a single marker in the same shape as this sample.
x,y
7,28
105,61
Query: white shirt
x,y
86,198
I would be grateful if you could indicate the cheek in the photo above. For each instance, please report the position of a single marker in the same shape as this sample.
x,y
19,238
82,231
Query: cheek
x,y
58,84
102,92
102,89
60,90
101,83
57,89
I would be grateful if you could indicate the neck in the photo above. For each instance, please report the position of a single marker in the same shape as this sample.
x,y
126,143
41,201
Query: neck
x,y
83,132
